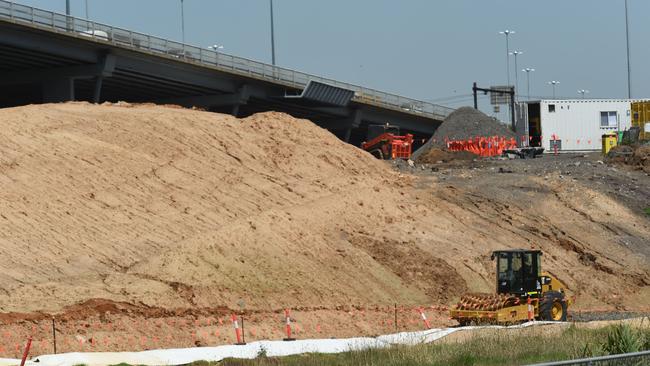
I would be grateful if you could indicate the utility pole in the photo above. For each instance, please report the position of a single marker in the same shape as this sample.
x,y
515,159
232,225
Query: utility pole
x,y
627,40
272,35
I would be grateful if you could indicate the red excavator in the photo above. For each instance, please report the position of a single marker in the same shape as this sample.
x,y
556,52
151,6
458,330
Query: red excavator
x,y
385,142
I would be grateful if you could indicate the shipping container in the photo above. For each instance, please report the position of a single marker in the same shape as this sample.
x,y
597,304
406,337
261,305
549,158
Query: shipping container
x,y
641,118
574,124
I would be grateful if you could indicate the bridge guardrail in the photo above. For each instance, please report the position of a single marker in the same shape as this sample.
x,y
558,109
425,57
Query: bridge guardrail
x,y
61,23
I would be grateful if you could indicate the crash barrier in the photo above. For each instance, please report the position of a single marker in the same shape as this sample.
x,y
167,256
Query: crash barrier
x,y
182,356
624,359
483,146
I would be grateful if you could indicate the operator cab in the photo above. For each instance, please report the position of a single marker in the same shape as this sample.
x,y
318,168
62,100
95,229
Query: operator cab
x,y
519,271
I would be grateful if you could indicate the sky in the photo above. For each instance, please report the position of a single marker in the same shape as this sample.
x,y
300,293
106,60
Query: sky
x,y
425,49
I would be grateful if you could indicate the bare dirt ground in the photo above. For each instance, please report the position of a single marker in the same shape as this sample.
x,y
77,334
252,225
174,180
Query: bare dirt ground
x,y
140,227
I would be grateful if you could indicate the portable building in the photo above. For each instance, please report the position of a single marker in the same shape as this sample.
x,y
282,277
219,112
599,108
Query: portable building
x,y
572,124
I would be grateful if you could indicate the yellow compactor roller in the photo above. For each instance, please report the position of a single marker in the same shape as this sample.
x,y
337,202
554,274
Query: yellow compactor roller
x,y
519,277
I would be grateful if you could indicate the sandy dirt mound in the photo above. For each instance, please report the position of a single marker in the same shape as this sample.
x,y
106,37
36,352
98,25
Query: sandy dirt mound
x,y
165,212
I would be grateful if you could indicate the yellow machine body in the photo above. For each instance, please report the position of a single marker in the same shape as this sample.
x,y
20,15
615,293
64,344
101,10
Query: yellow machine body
x,y
509,309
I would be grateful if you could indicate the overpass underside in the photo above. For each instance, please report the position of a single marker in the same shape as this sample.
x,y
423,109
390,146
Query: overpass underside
x,y
44,66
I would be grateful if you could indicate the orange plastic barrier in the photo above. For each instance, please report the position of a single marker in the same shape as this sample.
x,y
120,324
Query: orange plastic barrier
x,y
482,146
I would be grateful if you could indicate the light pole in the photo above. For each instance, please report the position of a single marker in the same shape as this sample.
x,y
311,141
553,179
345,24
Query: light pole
x,y
183,20
216,48
553,83
272,35
68,21
507,33
583,92
528,70
627,41
87,16
516,53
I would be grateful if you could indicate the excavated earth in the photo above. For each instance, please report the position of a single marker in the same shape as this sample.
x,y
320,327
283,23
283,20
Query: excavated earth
x,y
138,226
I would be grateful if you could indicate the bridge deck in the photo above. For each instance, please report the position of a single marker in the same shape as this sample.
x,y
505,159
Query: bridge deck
x,y
111,61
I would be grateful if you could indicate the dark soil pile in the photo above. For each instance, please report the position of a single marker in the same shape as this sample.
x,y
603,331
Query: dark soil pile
x,y
464,123
637,157
435,155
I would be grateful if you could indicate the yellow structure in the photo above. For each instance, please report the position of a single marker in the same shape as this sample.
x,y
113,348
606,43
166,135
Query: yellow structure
x,y
609,141
641,118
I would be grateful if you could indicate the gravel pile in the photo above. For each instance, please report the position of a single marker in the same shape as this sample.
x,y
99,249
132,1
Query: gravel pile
x,y
465,123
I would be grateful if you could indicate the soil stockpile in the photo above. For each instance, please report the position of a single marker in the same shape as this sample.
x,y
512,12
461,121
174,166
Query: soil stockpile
x,y
435,155
181,217
637,157
462,124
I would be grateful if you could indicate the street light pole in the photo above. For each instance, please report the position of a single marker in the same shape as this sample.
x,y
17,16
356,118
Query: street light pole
x,y
553,83
583,92
507,33
272,35
528,70
183,20
516,53
627,40
87,16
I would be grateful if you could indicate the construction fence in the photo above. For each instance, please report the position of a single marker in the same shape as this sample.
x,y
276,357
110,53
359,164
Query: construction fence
x,y
120,332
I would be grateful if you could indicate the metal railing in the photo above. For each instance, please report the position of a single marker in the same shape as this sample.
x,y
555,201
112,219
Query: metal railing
x,y
82,28
627,359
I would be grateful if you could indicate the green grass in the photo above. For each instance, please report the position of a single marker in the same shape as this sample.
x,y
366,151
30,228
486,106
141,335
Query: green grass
x,y
647,211
486,350
492,349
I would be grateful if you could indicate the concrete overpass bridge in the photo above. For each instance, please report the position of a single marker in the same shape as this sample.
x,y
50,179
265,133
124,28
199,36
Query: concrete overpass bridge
x,y
50,57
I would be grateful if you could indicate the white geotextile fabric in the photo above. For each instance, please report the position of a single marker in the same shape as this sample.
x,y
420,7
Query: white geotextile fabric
x,y
249,351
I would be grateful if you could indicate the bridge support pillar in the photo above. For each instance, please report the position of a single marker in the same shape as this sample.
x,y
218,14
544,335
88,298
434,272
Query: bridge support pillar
x,y
241,97
355,122
97,93
58,90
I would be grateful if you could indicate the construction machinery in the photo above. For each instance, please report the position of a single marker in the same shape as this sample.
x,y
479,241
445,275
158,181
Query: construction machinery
x,y
523,293
385,142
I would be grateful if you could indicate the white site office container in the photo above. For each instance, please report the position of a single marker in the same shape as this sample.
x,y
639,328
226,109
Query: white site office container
x,y
578,123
